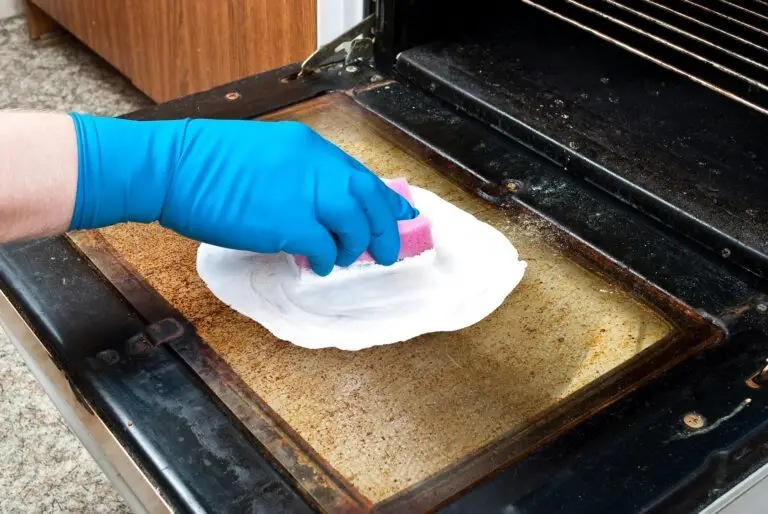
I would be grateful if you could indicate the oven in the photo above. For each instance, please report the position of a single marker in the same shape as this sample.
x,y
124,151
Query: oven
x,y
619,144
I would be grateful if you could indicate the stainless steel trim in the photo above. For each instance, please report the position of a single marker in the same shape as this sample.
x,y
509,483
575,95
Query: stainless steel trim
x,y
138,492
739,498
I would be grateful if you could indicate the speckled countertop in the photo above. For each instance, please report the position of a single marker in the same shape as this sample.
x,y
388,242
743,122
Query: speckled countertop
x,y
43,467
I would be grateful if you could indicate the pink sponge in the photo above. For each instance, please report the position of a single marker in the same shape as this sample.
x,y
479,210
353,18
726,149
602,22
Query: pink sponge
x,y
415,234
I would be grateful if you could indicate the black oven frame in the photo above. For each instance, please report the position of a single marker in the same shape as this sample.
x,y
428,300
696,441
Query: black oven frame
x,y
634,456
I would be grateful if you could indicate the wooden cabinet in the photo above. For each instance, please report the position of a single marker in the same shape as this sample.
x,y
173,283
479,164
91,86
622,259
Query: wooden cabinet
x,y
170,48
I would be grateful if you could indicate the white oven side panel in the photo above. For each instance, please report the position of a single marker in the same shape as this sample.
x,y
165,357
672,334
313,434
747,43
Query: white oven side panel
x,y
748,497
336,16
10,8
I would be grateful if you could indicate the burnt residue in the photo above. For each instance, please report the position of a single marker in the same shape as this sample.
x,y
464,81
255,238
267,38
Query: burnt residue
x,y
108,357
477,154
361,428
276,439
166,330
680,152
138,346
493,193
166,325
153,405
581,470
703,281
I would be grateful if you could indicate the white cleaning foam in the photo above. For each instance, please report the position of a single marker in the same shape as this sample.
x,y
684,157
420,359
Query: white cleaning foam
x,y
468,274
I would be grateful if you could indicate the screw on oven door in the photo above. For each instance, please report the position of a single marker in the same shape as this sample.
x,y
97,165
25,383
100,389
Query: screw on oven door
x,y
694,421
108,357
515,186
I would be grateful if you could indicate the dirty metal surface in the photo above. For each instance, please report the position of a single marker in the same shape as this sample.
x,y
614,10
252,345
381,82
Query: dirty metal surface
x,y
388,418
171,427
320,484
680,152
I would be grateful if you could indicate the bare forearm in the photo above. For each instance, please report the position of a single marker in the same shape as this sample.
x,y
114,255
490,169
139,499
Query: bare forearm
x,y
256,186
38,174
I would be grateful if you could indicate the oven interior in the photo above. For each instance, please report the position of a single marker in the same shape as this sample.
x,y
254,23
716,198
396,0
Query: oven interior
x,y
662,103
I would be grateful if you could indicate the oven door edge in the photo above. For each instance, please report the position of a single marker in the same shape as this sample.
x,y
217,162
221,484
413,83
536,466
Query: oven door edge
x,y
121,469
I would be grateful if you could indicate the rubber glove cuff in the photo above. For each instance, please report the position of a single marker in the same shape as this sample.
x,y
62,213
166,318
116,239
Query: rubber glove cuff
x,y
124,169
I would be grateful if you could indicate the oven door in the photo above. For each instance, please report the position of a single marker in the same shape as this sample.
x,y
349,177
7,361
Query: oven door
x,y
622,362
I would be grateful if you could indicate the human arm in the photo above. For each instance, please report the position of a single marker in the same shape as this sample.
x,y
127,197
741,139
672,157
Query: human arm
x,y
257,186
38,174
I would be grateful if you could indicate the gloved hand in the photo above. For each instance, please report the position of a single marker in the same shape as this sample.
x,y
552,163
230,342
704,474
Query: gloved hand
x,y
259,186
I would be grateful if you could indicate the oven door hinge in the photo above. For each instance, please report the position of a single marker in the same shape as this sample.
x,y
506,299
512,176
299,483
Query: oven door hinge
x,y
167,330
164,331
356,44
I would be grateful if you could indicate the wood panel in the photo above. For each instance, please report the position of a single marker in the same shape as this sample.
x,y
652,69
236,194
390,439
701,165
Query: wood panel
x,y
38,23
170,48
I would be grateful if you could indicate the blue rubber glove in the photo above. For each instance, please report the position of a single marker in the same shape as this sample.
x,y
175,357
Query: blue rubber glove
x,y
259,186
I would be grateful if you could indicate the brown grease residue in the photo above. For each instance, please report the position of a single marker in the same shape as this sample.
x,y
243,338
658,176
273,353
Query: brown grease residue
x,y
388,417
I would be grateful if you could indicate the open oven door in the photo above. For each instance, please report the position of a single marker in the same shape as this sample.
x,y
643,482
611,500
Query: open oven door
x,y
623,374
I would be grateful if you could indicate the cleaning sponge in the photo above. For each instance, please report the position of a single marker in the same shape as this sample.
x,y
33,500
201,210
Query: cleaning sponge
x,y
415,234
